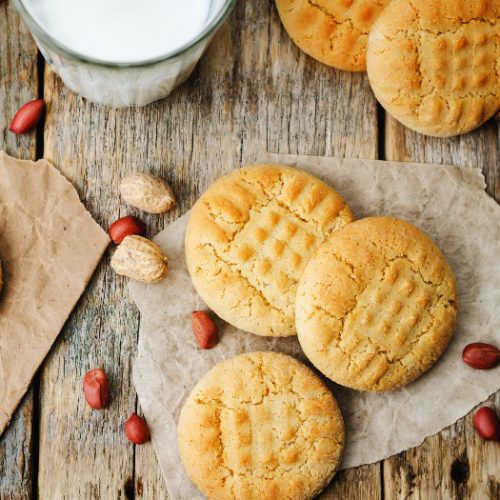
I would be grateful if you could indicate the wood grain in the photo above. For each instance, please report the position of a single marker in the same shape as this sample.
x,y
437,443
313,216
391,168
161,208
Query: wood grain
x,y
455,463
83,453
254,91
18,84
360,483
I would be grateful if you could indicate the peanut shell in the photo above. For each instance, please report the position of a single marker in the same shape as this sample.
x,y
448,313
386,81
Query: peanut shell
x,y
140,259
147,192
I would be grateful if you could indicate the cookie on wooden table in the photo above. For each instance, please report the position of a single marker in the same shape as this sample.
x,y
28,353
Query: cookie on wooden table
x,y
261,425
334,32
435,65
249,238
377,305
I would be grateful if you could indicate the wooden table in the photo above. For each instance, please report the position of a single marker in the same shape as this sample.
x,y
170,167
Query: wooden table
x,y
253,91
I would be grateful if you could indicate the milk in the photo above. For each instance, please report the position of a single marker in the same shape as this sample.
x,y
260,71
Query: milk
x,y
157,42
122,31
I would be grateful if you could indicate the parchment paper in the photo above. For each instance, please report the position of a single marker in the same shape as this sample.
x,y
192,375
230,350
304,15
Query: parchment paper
x,y
49,248
447,202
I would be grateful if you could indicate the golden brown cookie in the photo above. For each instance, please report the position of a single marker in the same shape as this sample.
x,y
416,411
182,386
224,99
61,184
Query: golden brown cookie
x,y
334,32
435,65
376,305
249,238
261,426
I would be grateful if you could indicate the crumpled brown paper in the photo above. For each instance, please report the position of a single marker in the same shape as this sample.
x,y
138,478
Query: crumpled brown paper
x,y
49,248
447,202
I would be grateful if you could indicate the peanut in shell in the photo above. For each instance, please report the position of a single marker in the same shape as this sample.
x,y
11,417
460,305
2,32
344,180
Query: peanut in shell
x,y
140,259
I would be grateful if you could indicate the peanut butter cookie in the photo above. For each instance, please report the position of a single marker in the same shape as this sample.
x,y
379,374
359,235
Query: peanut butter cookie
x,y
334,32
249,238
435,65
261,426
376,305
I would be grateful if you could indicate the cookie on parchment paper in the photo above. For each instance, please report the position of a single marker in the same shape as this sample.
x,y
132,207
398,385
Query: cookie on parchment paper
x,y
261,425
376,305
334,32
435,65
249,238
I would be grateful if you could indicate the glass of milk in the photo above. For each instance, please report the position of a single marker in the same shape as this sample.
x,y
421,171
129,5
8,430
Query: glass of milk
x,y
123,52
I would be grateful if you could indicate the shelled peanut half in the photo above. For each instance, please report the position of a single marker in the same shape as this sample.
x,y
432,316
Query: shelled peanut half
x,y
138,257
481,356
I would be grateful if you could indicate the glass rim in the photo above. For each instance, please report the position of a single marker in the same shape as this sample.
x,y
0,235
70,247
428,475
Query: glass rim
x,y
209,30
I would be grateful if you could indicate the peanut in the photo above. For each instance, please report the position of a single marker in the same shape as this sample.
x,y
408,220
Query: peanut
x,y
126,226
96,389
136,429
147,192
481,356
140,259
487,424
205,330
27,117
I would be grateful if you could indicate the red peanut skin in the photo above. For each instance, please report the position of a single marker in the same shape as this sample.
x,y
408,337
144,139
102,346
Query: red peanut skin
x,y
124,227
481,356
96,389
27,117
205,330
487,424
136,429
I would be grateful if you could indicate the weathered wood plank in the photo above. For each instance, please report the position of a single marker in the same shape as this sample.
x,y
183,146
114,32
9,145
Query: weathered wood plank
x,y
18,84
83,453
491,165
455,463
478,149
360,483
18,80
254,91
16,453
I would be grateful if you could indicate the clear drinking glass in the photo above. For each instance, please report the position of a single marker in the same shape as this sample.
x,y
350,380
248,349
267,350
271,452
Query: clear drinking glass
x,y
124,84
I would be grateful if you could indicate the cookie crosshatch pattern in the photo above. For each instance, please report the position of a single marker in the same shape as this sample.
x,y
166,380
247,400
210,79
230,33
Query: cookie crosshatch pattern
x,y
335,32
435,66
377,305
249,238
261,425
